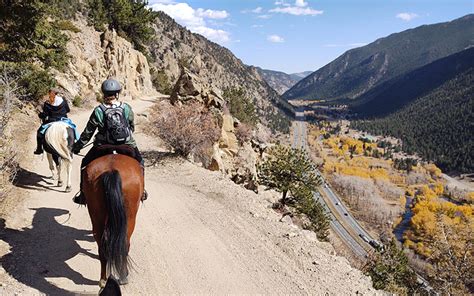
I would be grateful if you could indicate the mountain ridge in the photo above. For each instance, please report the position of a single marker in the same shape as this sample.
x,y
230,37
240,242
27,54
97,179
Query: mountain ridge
x,y
278,80
400,91
358,70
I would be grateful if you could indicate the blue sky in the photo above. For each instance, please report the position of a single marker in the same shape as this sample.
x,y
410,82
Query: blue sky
x,y
300,35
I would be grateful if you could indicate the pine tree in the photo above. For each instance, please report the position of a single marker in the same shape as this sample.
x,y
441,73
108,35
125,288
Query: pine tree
x,y
288,169
317,215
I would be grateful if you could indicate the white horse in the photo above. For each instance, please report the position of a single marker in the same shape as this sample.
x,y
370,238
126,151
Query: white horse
x,y
59,139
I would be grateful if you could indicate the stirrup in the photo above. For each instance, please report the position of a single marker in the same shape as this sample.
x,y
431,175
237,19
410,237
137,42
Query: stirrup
x,y
79,198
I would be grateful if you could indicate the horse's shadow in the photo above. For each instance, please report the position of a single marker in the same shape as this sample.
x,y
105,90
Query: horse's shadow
x,y
41,252
30,180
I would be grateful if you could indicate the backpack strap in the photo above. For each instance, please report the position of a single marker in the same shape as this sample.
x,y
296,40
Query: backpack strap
x,y
102,107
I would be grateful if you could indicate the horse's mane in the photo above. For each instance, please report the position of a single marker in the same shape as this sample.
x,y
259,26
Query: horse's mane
x,y
56,137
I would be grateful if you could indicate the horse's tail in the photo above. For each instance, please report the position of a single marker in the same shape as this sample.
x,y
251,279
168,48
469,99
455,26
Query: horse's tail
x,y
57,137
114,239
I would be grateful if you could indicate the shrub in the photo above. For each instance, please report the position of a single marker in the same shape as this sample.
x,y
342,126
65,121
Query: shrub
x,y
33,82
9,92
37,82
77,101
243,132
390,271
66,25
161,81
188,129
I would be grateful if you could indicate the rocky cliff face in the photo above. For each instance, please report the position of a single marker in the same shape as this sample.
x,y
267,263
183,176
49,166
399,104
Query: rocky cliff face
x,y
97,56
215,65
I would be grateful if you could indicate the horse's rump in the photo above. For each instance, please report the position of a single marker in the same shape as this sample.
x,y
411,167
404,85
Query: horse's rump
x,y
59,138
113,186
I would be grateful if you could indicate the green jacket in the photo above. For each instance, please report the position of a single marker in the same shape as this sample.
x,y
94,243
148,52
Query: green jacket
x,y
96,121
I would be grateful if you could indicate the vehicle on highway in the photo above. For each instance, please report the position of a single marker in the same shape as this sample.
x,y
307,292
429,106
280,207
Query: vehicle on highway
x,y
377,245
364,238
346,214
337,203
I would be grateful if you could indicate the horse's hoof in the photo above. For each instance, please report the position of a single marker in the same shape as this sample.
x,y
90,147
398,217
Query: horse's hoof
x,y
68,189
60,183
102,283
123,281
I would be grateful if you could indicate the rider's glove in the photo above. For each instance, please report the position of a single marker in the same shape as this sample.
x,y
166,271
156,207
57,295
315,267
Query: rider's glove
x,y
76,149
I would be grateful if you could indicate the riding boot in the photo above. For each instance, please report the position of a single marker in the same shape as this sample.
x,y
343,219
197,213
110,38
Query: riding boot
x,y
145,194
39,144
79,198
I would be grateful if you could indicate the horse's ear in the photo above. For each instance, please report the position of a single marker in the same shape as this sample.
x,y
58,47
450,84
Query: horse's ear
x,y
112,288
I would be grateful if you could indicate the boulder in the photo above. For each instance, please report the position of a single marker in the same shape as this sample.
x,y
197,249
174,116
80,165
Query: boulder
x,y
188,87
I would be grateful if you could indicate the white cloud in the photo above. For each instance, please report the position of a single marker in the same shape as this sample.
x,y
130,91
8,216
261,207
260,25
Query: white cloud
x,y
407,16
264,16
282,3
194,19
294,10
212,14
275,39
300,7
257,10
300,3
257,26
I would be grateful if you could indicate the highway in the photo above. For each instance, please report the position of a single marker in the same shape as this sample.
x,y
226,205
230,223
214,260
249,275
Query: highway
x,y
343,223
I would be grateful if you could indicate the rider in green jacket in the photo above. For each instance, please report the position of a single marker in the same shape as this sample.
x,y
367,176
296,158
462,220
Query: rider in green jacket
x,y
114,121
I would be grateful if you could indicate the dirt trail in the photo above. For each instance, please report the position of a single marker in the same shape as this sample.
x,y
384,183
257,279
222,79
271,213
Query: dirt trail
x,y
197,234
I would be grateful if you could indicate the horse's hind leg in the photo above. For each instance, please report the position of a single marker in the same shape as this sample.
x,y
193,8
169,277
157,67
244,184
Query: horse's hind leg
x,y
52,166
98,232
60,169
68,175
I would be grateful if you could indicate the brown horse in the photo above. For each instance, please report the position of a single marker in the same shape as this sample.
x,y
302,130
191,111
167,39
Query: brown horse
x,y
113,186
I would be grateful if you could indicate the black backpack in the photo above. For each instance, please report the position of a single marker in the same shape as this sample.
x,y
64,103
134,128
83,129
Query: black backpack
x,y
117,127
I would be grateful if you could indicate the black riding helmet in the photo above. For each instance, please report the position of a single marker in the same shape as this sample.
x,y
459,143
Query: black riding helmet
x,y
111,87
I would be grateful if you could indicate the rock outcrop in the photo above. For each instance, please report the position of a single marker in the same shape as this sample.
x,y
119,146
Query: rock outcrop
x,y
191,87
237,160
97,56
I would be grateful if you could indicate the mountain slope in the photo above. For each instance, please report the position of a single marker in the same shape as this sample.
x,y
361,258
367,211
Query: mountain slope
x,y
281,81
358,70
216,66
438,126
400,91
301,75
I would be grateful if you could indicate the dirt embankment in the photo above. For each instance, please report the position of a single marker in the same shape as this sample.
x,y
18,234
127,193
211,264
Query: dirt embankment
x,y
198,233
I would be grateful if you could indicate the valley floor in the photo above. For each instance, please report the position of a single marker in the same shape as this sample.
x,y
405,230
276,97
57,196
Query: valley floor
x,y
198,233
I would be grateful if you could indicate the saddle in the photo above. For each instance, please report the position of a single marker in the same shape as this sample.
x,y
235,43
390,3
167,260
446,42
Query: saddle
x,y
107,149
